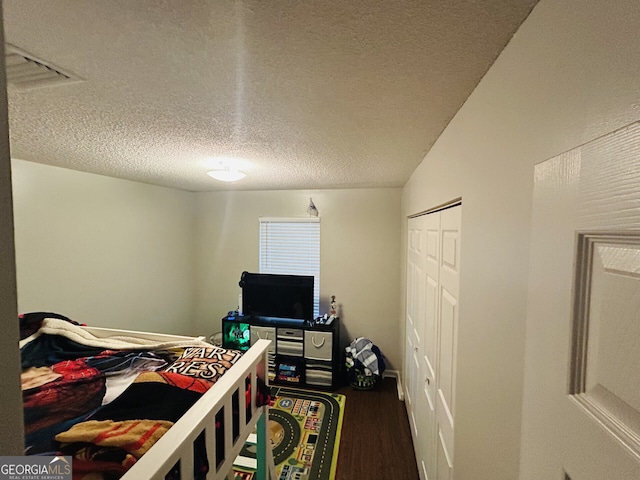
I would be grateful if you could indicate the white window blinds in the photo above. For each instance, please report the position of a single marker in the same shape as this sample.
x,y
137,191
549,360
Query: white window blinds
x,y
291,246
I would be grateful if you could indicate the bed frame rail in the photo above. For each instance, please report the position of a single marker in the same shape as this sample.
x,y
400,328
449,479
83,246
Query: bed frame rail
x,y
176,446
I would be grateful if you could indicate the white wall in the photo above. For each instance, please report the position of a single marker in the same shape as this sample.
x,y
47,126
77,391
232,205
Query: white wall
x,y
103,251
10,393
570,74
360,255
116,253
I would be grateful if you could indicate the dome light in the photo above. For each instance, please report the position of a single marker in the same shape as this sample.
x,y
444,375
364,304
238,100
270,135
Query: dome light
x,y
227,175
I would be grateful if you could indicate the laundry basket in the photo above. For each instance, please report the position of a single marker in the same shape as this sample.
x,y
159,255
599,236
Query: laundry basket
x,y
364,364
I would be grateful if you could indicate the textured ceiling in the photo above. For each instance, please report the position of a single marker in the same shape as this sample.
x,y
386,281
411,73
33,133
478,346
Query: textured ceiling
x,y
311,94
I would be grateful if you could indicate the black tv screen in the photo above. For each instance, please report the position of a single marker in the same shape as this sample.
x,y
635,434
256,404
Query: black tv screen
x,y
276,295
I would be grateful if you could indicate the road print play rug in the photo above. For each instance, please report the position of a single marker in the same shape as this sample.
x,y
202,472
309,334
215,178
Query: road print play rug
x,y
304,427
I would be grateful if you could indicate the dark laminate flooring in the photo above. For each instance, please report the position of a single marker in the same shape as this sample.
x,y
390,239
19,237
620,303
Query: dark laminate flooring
x,y
375,441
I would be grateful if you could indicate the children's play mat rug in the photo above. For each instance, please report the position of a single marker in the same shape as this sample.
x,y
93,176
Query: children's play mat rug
x,y
304,427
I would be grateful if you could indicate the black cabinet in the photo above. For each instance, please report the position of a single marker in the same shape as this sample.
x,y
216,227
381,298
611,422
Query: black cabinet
x,y
302,353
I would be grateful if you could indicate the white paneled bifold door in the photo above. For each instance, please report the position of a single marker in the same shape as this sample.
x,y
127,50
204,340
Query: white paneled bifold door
x,y
433,270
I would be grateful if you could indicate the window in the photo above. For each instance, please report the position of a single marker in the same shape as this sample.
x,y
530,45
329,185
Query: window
x,y
291,246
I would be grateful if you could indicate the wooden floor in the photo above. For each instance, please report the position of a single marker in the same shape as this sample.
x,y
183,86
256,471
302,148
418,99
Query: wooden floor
x,y
375,441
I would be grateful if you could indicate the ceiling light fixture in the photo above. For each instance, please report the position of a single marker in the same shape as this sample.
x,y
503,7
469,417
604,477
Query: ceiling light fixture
x,y
227,175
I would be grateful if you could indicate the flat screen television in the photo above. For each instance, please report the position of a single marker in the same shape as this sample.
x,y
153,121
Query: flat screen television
x,y
277,295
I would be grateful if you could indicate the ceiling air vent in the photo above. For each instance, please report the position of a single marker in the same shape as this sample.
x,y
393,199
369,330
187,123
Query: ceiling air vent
x,y
26,72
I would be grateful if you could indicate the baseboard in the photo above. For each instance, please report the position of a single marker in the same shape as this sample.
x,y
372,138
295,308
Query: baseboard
x,y
395,374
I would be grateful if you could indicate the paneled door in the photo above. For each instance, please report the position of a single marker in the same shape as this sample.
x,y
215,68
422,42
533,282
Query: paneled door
x,y
447,333
432,290
429,349
581,416
413,324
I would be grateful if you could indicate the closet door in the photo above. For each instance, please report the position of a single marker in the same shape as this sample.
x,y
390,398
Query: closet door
x,y
415,261
428,351
448,288
432,291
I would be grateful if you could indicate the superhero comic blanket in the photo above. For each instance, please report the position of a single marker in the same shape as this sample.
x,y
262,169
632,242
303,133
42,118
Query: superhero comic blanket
x,y
106,401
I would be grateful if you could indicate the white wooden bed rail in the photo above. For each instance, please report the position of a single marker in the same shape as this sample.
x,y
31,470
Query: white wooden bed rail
x,y
177,444
102,332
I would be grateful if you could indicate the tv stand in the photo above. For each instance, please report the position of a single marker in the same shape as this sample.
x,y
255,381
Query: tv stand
x,y
302,353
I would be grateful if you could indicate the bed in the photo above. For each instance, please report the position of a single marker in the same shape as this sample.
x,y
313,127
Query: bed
x,y
136,405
